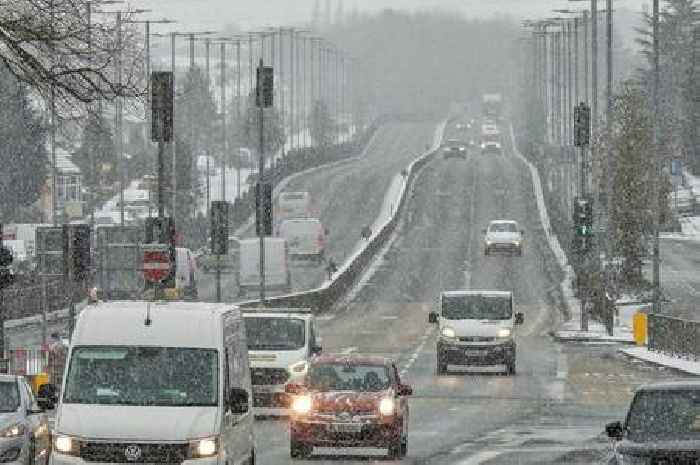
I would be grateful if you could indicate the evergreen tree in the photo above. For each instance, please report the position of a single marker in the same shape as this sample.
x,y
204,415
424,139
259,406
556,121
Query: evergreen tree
x,y
96,156
23,153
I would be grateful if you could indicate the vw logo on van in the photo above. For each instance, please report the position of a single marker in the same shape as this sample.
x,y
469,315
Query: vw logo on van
x,y
132,453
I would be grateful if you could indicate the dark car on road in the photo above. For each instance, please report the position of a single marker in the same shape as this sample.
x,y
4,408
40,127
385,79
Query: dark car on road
x,y
349,401
662,426
454,149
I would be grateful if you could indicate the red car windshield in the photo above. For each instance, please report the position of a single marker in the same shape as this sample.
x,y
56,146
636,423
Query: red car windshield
x,y
326,377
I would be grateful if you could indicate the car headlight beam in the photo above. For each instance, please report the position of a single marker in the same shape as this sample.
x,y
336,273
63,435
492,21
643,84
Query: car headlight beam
x,y
205,447
12,431
301,404
504,333
66,445
448,332
386,406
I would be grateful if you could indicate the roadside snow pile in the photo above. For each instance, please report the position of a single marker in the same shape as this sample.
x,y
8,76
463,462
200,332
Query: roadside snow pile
x,y
642,353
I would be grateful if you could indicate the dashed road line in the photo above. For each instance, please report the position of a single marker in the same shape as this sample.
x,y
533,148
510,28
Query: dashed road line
x,y
414,356
348,350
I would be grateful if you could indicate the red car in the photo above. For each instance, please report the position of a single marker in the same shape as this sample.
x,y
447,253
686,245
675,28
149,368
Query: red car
x,y
349,401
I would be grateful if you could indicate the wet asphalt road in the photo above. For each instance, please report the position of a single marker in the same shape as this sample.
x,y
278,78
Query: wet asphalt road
x,y
554,410
346,197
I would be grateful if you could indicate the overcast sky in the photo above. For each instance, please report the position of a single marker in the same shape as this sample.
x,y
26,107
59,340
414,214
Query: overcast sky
x,y
250,14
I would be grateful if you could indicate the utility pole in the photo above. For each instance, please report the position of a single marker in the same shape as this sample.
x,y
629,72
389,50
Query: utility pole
x,y
173,164
207,49
609,200
118,118
656,308
570,85
594,71
238,117
224,133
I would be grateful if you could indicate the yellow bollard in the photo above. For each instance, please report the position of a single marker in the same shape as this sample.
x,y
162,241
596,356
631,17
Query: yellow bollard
x,y
639,328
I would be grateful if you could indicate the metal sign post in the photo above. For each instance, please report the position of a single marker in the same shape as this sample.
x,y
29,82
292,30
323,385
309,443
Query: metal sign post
x,y
583,215
263,99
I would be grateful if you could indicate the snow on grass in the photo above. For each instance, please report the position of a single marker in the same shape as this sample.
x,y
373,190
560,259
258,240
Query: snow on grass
x,y
642,353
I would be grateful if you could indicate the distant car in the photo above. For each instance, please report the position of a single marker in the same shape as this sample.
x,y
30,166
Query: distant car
x,y
349,401
24,428
460,126
503,236
491,147
662,426
454,149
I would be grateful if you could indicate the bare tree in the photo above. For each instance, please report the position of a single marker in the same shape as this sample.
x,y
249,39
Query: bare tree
x,y
56,46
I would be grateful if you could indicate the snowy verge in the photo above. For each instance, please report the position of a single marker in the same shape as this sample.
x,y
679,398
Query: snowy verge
x,y
642,353
572,303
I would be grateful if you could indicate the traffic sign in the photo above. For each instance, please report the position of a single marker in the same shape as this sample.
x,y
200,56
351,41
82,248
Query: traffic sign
x,y
156,262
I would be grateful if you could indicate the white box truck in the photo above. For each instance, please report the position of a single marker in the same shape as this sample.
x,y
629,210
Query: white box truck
x,y
277,274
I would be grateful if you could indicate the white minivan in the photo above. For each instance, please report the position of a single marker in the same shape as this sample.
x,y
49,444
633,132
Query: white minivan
x,y
306,237
476,329
280,342
156,383
277,274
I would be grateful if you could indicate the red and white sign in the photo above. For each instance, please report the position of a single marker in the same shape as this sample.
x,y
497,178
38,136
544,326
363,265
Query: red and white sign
x,y
156,264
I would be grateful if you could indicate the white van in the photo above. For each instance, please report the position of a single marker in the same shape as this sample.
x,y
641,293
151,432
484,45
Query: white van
x,y
280,342
277,273
306,237
156,383
476,328
293,205
185,272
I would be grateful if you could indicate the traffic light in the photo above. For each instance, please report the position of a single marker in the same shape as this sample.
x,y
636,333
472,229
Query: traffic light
x,y
263,207
265,86
76,251
219,227
583,216
6,276
582,125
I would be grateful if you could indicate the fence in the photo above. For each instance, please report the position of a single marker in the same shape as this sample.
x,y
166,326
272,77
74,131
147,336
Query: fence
x,y
674,336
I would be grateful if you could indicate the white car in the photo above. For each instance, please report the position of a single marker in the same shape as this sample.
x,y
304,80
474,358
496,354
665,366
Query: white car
x,y
24,429
505,236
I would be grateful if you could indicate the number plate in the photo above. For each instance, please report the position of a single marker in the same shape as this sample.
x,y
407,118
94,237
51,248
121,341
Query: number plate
x,y
345,427
474,353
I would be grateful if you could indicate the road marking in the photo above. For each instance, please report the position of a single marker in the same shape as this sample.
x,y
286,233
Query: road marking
x,y
325,317
414,356
481,457
348,350
467,261
389,317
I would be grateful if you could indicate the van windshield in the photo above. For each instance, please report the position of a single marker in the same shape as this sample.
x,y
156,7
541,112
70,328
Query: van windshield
x,y
275,333
476,307
9,396
154,376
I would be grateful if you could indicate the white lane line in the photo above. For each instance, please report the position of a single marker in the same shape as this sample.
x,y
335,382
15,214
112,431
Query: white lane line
x,y
557,387
468,257
389,317
325,317
481,457
562,366
348,350
414,356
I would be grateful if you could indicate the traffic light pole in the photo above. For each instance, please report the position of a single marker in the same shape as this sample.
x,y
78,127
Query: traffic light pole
x,y
261,167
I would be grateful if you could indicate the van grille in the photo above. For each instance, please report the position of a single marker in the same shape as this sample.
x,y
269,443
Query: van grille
x,y
477,339
268,376
110,452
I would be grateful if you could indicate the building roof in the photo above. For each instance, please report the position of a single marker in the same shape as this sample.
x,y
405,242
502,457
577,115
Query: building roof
x,y
173,324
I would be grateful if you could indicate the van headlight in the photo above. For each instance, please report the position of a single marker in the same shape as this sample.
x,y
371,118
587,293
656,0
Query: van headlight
x,y
205,447
12,431
448,332
504,333
66,445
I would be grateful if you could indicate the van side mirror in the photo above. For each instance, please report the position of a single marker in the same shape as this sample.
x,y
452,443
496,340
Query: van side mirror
x,y
522,232
316,350
614,430
238,401
519,318
483,231
432,317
